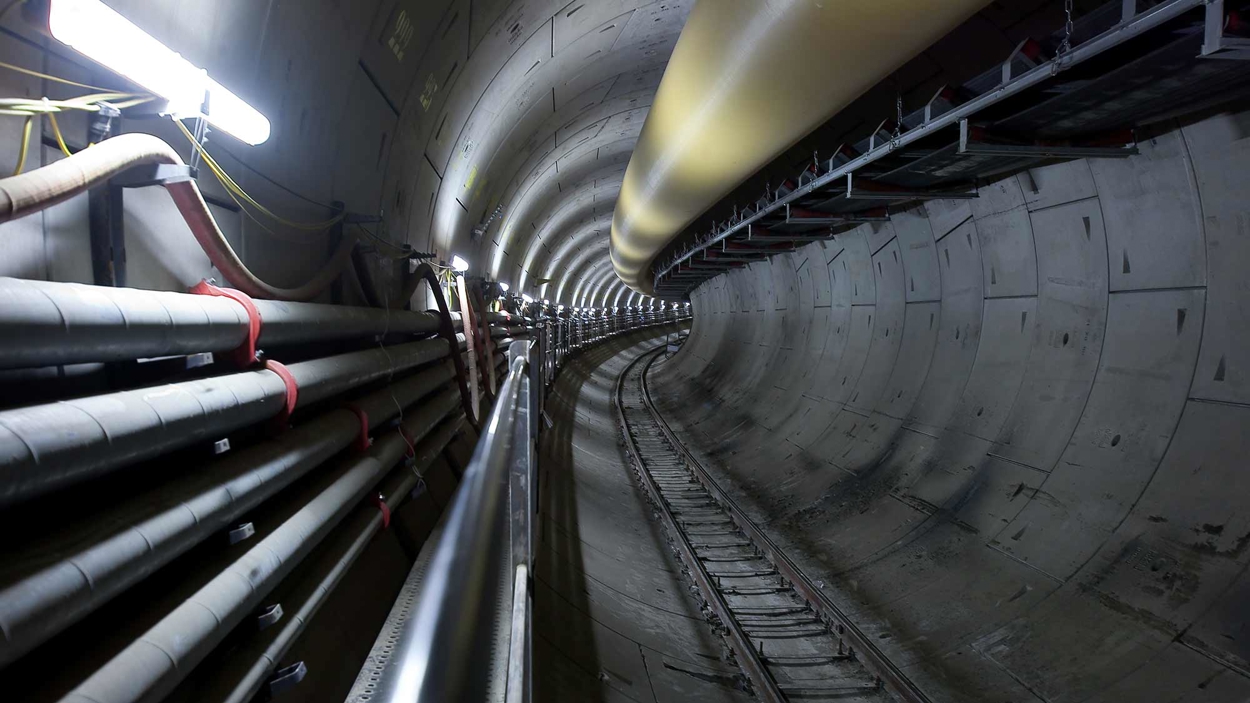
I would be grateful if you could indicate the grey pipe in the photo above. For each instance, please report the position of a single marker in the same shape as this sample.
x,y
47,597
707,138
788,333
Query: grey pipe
x,y
56,582
47,447
247,669
49,324
154,663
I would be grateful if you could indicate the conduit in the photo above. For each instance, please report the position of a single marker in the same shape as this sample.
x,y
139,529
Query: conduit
x,y
247,669
749,78
448,331
97,561
154,663
50,446
44,187
69,323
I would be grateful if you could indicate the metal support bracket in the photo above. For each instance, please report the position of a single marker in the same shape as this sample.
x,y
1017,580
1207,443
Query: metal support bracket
x,y
1214,44
145,175
105,206
1015,54
929,113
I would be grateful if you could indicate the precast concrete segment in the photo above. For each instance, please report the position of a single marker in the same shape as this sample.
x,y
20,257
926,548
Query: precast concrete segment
x,y
747,79
1007,434
505,94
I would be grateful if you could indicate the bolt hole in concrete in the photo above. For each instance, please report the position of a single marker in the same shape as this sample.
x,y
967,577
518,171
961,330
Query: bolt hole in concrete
x,y
1065,339
1115,440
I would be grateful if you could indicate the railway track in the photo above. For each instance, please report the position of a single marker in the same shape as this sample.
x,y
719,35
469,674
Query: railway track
x,y
791,642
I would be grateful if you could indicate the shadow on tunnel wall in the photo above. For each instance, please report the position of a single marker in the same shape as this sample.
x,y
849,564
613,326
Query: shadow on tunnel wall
x,y
567,663
1008,434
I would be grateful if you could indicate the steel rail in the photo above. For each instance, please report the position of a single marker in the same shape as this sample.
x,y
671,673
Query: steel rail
x,y
1120,33
874,659
752,666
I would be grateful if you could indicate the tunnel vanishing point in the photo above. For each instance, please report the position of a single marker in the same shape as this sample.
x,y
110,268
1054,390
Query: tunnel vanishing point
x,y
419,351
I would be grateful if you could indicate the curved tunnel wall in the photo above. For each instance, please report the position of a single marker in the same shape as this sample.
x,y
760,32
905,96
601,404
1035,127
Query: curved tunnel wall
x,y
1009,433
430,114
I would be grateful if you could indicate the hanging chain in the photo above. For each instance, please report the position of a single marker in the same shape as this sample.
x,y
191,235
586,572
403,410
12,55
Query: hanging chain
x,y
898,119
1066,45
1067,27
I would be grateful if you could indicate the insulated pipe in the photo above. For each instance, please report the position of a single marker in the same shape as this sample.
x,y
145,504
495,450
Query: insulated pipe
x,y
247,668
155,662
47,447
749,78
69,323
95,562
44,187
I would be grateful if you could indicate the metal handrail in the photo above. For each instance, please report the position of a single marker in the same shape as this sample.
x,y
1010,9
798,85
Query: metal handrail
x,y
487,542
439,653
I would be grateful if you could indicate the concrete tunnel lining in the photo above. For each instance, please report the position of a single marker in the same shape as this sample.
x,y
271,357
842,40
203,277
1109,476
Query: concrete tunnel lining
x,y
1007,434
1006,431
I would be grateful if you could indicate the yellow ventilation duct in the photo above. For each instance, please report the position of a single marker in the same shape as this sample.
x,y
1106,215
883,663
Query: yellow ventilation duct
x,y
748,79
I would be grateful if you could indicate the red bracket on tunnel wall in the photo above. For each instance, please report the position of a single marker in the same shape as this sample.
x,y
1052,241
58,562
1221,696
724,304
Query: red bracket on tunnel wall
x,y
362,442
245,354
283,417
380,501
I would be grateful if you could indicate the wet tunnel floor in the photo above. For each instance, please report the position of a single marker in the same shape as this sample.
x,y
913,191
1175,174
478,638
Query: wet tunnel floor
x,y
614,619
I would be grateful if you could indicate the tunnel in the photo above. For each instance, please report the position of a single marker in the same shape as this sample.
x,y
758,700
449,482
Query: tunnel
x,y
624,350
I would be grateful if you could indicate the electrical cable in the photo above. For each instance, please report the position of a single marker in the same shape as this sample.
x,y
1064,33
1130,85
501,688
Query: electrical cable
x,y
63,179
30,108
403,253
87,103
56,132
54,79
190,203
45,106
230,185
21,154
253,169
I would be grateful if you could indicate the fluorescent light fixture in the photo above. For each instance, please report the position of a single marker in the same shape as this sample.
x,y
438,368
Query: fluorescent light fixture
x,y
100,33
503,286
546,302
526,297
458,264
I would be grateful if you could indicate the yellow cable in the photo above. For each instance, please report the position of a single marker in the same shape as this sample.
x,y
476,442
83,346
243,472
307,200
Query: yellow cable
x,y
401,252
56,130
86,103
230,185
250,216
21,155
45,76
29,108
